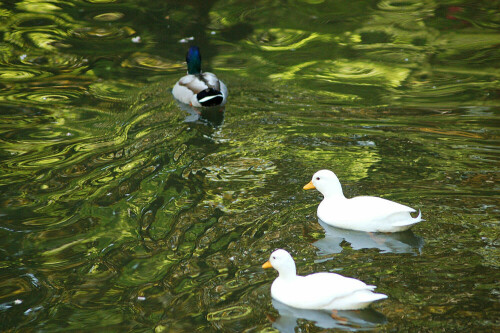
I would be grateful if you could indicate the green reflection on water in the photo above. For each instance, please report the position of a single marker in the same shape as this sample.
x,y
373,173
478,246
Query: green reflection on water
x,y
122,212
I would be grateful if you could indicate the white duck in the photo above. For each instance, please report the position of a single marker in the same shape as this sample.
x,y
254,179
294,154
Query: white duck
x,y
364,213
197,88
318,291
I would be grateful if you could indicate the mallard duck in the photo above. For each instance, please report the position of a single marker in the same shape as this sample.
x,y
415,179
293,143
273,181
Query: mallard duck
x,y
197,88
364,213
318,291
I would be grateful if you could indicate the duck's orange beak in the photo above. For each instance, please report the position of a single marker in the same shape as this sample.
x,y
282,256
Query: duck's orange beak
x,y
267,265
309,186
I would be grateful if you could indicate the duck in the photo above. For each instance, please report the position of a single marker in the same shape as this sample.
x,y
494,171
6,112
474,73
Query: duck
x,y
317,291
363,213
199,89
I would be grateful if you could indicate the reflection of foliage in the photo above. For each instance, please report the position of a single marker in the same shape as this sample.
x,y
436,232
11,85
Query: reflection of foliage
x,y
117,212
397,40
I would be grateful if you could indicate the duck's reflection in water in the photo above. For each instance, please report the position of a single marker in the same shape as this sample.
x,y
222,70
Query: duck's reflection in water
x,y
210,115
359,320
397,242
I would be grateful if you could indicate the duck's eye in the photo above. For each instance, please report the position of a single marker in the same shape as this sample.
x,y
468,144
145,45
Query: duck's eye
x,y
317,178
274,257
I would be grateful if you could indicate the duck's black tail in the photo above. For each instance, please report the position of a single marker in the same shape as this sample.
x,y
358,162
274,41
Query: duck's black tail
x,y
210,97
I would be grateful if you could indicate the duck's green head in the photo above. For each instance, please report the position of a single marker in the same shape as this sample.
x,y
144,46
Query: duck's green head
x,y
193,59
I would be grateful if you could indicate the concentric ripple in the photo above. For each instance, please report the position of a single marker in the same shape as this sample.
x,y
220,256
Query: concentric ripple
x,y
285,39
109,17
62,61
147,61
230,313
45,96
112,33
399,5
110,91
13,74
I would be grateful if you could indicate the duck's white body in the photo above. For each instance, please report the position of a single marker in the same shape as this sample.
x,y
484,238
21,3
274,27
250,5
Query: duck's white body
x,y
364,213
188,88
319,291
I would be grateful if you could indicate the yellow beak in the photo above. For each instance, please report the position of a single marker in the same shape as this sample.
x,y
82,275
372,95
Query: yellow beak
x,y
309,186
267,265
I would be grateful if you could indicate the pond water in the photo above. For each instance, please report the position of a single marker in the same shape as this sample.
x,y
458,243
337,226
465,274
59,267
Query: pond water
x,y
121,210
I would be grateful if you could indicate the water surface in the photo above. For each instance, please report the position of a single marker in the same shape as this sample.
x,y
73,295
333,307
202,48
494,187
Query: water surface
x,y
122,210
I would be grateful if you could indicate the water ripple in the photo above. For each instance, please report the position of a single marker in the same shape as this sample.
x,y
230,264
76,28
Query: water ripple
x,y
230,313
21,74
62,62
44,96
109,17
399,5
102,33
110,200
111,91
285,39
148,61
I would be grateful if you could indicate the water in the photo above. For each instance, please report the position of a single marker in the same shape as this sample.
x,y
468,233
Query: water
x,y
124,211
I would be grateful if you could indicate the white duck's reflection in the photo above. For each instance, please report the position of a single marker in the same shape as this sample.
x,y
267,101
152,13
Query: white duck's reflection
x,y
359,320
397,242
211,115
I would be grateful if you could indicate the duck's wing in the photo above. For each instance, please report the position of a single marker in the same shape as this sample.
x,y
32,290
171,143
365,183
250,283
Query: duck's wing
x,y
334,284
381,205
317,291
342,292
211,80
194,83
367,208
379,214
